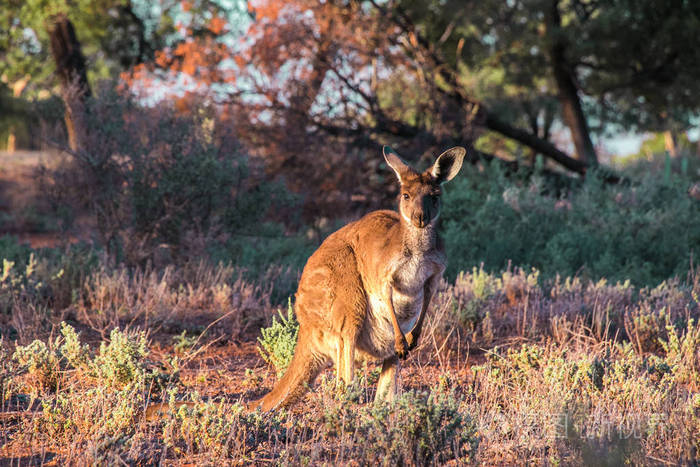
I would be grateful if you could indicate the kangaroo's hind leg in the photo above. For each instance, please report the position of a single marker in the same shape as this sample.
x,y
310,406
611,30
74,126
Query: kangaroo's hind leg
x,y
387,386
350,320
345,360
348,313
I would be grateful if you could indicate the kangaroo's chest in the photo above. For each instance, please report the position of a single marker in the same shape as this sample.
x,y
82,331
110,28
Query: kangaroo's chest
x,y
407,277
410,273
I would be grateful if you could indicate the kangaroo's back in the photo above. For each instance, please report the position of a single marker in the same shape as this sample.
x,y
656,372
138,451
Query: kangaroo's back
x,y
365,290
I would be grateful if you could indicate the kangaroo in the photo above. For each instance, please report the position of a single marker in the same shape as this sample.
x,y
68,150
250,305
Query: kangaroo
x,y
364,293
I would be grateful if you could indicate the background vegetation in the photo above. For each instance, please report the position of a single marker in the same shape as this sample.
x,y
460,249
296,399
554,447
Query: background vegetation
x,y
170,166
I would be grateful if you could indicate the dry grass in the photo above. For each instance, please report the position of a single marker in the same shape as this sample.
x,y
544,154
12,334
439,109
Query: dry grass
x,y
510,370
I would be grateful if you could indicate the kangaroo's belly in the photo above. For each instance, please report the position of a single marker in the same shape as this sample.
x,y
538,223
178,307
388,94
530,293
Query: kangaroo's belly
x,y
377,335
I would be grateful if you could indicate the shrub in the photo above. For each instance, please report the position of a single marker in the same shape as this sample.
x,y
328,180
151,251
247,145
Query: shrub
x,y
121,362
277,342
416,429
96,413
683,352
76,354
41,363
20,285
219,429
42,277
7,372
161,184
646,230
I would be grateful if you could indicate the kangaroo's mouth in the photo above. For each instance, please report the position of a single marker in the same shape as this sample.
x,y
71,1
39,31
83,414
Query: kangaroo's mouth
x,y
420,223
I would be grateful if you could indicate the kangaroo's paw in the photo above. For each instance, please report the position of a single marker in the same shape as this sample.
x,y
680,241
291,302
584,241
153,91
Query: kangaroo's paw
x,y
411,341
401,346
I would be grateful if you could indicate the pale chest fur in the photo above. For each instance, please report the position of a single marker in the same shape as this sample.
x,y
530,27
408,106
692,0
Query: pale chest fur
x,y
409,275
408,282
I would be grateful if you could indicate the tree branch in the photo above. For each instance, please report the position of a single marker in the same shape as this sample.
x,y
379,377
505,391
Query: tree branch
x,y
483,115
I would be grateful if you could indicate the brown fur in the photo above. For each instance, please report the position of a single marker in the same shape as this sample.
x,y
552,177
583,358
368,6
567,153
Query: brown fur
x,y
364,293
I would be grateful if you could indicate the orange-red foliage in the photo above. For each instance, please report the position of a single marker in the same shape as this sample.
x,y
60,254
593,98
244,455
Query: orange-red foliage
x,y
305,67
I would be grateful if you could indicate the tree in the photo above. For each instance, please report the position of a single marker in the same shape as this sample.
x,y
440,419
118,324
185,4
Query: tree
x,y
72,72
643,72
44,40
623,62
427,73
566,79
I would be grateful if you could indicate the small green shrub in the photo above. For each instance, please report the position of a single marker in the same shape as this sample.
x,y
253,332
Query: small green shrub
x,y
48,276
20,285
219,429
8,385
96,413
77,355
682,352
277,342
121,363
41,362
416,429
183,342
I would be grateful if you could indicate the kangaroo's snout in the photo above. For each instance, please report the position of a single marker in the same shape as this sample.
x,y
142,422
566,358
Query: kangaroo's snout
x,y
419,220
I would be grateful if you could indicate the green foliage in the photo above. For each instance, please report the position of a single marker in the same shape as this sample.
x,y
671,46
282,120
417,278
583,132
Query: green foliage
x,y
278,341
645,231
505,54
183,342
219,429
77,355
20,285
416,429
95,413
48,276
41,361
163,186
121,362
683,353
653,157
7,371
114,34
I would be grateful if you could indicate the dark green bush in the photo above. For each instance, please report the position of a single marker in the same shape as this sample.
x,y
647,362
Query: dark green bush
x,y
646,230
163,185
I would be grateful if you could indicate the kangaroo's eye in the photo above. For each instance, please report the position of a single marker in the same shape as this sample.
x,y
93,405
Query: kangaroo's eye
x,y
405,196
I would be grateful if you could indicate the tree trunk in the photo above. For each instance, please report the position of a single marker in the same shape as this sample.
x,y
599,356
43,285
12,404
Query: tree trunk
x,y
671,143
72,72
17,89
571,108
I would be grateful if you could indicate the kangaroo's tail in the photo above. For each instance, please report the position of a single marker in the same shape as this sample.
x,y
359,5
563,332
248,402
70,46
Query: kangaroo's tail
x,y
302,371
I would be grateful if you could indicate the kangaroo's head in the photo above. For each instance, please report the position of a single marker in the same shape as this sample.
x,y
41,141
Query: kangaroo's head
x,y
419,196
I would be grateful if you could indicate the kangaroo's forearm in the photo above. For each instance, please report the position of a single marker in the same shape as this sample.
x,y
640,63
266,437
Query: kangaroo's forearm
x,y
428,290
418,327
392,312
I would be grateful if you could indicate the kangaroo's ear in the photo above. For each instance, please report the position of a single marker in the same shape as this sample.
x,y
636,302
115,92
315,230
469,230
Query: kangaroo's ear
x,y
401,168
448,164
